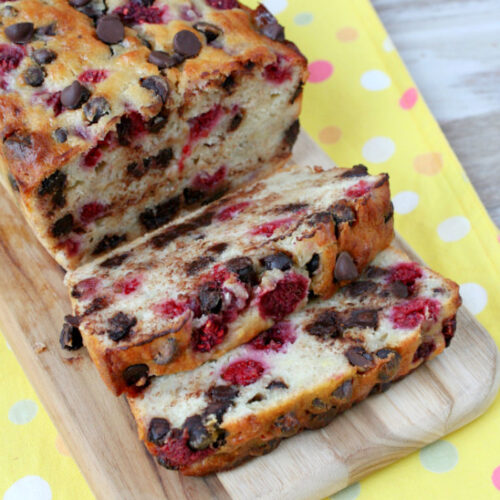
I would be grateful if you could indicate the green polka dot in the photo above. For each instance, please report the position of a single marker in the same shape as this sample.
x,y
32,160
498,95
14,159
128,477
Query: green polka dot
x,y
439,457
23,412
350,493
304,18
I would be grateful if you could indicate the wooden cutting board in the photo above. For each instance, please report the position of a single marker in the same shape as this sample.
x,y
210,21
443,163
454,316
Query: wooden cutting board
x,y
99,430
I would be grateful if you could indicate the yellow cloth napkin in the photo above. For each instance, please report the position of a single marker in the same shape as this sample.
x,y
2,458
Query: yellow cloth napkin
x,y
362,106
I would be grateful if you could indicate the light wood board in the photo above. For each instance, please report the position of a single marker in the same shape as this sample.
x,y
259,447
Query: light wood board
x,y
100,433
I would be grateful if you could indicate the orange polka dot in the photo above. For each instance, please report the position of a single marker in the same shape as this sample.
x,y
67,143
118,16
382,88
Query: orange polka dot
x,y
330,135
428,163
347,34
61,447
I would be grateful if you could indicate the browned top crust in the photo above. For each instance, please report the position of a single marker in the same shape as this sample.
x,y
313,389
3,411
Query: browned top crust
x,y
61,46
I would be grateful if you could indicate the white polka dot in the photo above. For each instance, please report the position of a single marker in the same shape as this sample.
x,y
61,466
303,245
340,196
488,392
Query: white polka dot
x,y
405,202
275,6
474,296
388,45
23,412
375,80
378,149
29,488
454,228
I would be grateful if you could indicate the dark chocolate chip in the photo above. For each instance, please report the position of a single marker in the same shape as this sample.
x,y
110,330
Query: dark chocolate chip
x,y
158,431
229,84
345,269
135,169
19,145
360,287
46,30
343,213
267,24
70,338
159,121
356,171
198,264
343,391
52,184
136,375
313,265
109,242
235,121
424,351
13,183
390,214
193,196
166,352
274,32
448,330
8,11
120,325
62,226
218,248
157,85
97,304
292,133
72,320
258,397
243,268
110,29
210,31
319,420
390,368
74,95
277,260
61,135
288,424
199,438
210,297
318,404
78,3
357,356
95,109
222,393
400,290
297,93
164,59
159,215
326,324
186,43
161,160
290,207
276,384
20,32
362,318
374,272
44,56
115,261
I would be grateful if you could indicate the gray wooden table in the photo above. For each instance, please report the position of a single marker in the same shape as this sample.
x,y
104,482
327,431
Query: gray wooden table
x,y
452,49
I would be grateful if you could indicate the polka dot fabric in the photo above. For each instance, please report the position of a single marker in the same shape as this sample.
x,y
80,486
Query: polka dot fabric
x,y
361,105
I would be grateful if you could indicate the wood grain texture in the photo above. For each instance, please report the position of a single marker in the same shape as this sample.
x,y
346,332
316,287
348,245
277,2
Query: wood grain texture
x,y
100,432
452,50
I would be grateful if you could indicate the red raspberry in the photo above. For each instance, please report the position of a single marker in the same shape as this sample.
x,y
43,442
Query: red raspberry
x,y
410,314
277,73
85,288
424,350
170,308
54,101
10,57
177,453
92,157
93,76
206,182
212,333
268,228
232,211
136,13
219,274
284,298
71,247
243,372
200,126
223,4
126,286
359,189
275,338
92,211
406,272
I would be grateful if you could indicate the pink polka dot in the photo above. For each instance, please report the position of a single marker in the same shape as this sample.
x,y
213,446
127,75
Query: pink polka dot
x,y
319,71
495,477
409,98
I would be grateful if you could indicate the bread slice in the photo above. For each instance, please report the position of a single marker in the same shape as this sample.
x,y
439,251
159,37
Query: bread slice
x,y
193,290
116,116
303,371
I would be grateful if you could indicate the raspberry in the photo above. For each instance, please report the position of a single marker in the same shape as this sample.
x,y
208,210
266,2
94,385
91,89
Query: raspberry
x,y
275,338
268,228
359,189
54,102
92,211
93,76
424,350
284,298
207,182
212,333
232,211
92,157
223,4
200,126
10,57
277,73
410,314
126,286
176,452
406,272
85,288
170,308
220,274
243,372
135,13
71,247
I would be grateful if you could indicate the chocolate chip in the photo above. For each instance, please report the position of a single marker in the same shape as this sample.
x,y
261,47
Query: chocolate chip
x,y
343,391
448,330
110,29
210,31
13,183
222,393
356,171
400,290
313,265
374,272
158,431
74,95
20,32
210,297
9,11
274,32
44,56
157,85
52,184
95,109
345,269
159,215
78,3
258,397
229,83
159,121
60,135
115,261
62,226
186,43
119,326
161,160
318,404
109,242
277,260
243,268
235,122
136,375
267,24
360,287
326,324
218,248
390,368
297,93
292,133
70,338
135,169
357,356
288,424
276,384
362,318
424,351
164,59
390,214
198,436
46,30
166,352
97,304
19,145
